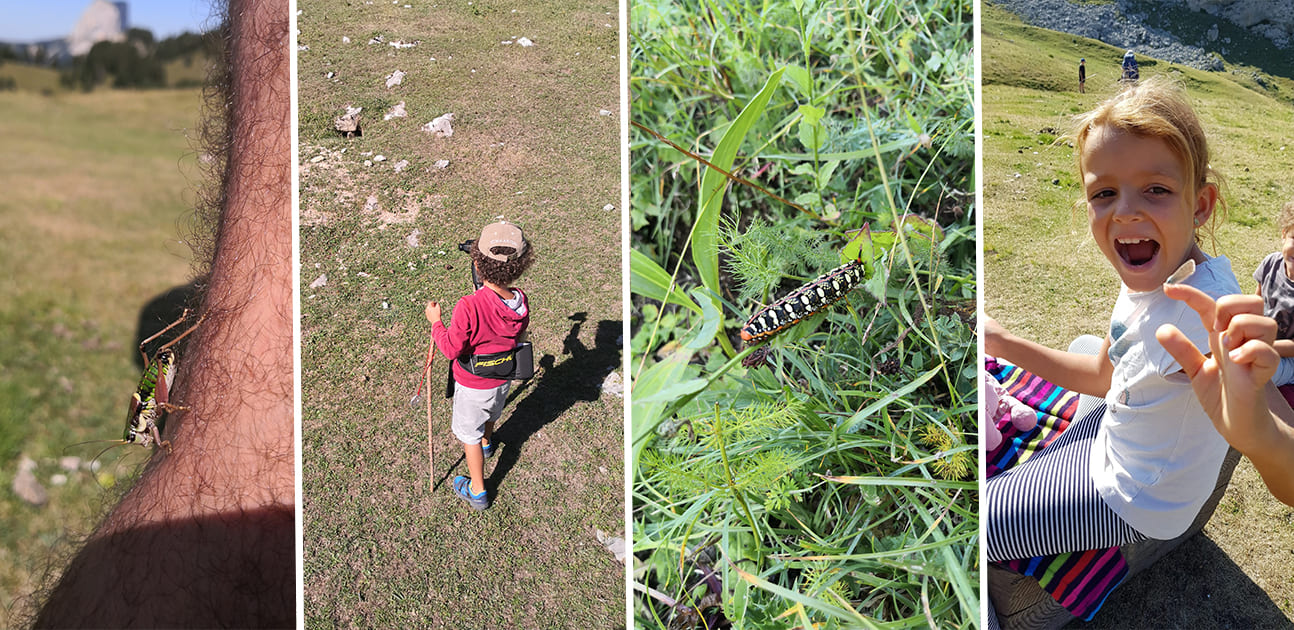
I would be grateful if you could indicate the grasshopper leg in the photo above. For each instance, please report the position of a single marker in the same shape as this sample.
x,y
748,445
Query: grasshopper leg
x,y
185,333
183,316
157,438
177,322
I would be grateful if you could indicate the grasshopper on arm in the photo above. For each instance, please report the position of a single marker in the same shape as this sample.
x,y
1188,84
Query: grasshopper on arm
x,y
152,398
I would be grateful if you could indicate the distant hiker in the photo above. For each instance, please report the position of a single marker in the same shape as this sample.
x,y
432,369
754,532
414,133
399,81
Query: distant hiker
x,y
1082,75
484,331
1130,72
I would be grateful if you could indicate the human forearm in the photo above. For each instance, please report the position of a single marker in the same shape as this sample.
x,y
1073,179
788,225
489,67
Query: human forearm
x,y
1284,347
1086,374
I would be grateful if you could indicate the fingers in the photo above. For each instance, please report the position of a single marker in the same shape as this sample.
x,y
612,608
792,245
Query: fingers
x,y
1183,351
1260,356
1246,307
1247,340
1247,336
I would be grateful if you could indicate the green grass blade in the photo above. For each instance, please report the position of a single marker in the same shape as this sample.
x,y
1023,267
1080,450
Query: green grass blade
x,y
705,244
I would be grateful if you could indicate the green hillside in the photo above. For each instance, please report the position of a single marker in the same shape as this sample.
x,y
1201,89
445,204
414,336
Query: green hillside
x,y
29,78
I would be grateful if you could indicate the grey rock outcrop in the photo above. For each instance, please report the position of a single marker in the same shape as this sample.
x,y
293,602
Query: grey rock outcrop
x,y
101,21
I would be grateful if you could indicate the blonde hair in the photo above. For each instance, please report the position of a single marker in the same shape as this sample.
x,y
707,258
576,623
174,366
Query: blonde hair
x,y
1285,220
1157,108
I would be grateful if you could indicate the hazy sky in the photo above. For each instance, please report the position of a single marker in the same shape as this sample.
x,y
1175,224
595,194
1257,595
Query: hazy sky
x,y
35,20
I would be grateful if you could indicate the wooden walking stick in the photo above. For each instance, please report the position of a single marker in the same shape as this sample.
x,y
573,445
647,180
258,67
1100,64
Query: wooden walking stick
x,y
431,447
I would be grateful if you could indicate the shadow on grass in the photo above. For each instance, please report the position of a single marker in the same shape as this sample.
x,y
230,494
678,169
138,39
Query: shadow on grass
x,y
578,377
1197,585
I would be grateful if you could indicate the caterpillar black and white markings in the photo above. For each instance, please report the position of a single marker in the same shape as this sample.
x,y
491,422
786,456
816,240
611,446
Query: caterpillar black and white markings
x,y
823,291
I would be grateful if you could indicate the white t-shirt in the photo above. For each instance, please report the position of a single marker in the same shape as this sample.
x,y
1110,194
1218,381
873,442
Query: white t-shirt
x,y
1157,455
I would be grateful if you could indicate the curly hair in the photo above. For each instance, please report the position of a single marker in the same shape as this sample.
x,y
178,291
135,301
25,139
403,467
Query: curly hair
x,y
503,273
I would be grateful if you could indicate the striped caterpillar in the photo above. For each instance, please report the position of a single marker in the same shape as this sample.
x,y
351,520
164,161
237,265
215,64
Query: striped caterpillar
x,y
821,292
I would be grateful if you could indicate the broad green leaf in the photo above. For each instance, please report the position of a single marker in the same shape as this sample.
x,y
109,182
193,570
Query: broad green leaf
x,y
705,246
648,279
801,78
673,392
811,114
711,318
646,414
811,136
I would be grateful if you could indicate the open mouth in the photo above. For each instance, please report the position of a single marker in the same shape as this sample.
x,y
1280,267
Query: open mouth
x,y
1136,252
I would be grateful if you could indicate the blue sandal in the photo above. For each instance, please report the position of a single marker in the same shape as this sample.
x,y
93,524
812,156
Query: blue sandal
x,y
463,488
488,449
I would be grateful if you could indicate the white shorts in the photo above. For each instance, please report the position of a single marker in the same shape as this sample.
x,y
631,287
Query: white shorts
x,y
474,407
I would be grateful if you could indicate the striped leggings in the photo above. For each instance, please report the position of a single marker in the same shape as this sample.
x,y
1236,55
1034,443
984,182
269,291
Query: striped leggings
x,y
1049,504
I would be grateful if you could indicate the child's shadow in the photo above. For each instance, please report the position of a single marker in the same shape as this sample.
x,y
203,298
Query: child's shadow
x,y
578,377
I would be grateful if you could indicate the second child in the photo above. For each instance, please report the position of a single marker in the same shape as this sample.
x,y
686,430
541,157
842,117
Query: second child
x,y
1275,277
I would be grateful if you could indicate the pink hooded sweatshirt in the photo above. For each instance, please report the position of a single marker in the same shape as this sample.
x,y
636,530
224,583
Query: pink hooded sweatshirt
x,y
481,324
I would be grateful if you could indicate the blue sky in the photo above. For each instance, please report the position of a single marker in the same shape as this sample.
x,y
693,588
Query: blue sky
x,y
34,20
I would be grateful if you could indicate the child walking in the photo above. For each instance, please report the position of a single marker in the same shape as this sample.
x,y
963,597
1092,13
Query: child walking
x,y
488,323
1275,277
1143,464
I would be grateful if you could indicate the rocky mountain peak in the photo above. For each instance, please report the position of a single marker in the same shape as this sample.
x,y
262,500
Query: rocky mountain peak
x,y
101,21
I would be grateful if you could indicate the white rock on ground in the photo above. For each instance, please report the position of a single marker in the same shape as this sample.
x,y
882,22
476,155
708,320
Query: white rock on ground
x,y
349,123
394,79
614,544
440,126
613,385
412,238
25,484
396,112
400,166
320,281
525,42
